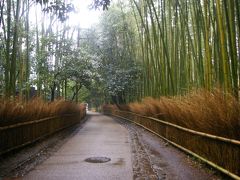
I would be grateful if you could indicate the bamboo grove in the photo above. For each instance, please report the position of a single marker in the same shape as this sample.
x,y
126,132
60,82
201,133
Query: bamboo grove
x,y
187,44
178,45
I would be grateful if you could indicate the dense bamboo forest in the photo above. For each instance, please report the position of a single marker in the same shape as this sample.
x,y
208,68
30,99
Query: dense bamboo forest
x,y
187,45
178,46
138,49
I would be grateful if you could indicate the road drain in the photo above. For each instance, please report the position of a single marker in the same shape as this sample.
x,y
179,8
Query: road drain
x,y
97,159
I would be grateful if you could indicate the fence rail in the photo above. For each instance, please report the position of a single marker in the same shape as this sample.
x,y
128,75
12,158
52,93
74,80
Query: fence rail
x,y
219,152
20,134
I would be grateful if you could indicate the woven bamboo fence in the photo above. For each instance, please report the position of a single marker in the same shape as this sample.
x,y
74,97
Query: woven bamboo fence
x,y
221,153
21,134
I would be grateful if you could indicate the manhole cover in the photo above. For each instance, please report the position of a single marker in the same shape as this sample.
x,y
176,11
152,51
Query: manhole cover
x,y
97,159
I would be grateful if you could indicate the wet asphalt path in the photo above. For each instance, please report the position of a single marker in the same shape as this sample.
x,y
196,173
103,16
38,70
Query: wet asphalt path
x,y
134,152
101,136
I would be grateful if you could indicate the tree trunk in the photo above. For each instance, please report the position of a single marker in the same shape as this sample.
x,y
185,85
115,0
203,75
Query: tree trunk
x,y
53,91
14,53
8,40
27,60
75,94
65,88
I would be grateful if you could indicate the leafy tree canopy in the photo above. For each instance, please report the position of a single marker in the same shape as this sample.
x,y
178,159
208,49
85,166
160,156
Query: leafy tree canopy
x,y
104,4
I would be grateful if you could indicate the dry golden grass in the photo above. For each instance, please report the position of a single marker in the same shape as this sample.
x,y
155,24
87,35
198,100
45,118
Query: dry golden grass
x,y
210,112
15,112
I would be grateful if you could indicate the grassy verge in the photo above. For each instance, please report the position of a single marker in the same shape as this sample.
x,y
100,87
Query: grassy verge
x,y
210,112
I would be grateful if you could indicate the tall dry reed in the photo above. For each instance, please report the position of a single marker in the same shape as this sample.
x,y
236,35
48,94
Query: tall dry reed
x,y
12,112
210,112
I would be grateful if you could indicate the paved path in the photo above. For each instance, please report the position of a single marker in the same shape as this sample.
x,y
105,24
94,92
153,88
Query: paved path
x,y
100,136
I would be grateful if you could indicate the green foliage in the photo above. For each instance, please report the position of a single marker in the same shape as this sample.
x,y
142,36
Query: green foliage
x,y
78,67
140,48
84,94
60,9
101,3
118,68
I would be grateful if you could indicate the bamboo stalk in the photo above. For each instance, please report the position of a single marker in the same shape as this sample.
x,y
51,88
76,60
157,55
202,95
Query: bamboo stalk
x,y
222,45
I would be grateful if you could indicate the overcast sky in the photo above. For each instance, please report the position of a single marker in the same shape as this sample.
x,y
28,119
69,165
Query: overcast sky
x,y
85,17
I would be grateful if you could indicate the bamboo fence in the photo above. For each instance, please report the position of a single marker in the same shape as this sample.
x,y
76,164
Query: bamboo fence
x,y
221,153
21,134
